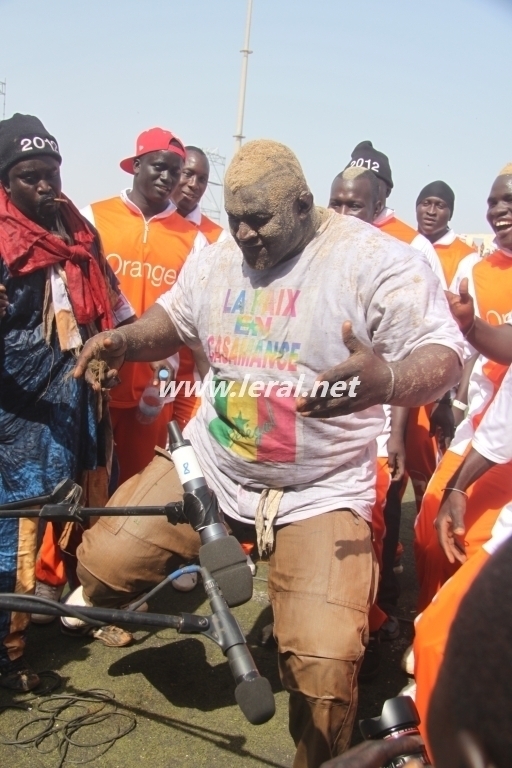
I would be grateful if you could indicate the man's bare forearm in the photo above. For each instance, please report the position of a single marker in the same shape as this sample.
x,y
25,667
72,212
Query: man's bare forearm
x,y
494,342
473,467
399,418
425,375
463,388
151,338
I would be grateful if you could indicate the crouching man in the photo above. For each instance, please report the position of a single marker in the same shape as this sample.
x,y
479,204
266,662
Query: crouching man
x,y
297,291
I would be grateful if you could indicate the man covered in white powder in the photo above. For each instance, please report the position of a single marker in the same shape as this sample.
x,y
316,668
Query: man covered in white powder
x,y
298,294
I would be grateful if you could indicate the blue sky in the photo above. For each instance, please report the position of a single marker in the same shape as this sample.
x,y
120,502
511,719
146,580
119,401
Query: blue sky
x,y
427,82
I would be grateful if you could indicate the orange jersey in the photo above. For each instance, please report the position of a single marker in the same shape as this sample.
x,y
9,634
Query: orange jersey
x,y
494,306
146,257
210,229
451,250
399,229
490,285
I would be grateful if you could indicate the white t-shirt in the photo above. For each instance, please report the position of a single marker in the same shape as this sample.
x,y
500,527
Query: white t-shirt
x,y
481,390
421,243
493,440
284,323
493,436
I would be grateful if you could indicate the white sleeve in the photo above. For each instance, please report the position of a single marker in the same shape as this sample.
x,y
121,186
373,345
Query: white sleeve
x,y
123,310
493,437
88,214
223,236
421,243
465,269
408,308
200,242
182,301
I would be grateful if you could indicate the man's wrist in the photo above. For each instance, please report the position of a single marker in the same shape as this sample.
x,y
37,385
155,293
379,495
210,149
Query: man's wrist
x,y
391,385
456,490
470,330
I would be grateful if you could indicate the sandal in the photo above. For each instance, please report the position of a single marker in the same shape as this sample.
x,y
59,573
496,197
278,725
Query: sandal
x,y
111,636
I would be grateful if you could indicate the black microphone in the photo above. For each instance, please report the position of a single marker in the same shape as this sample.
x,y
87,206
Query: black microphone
x,y
220,553
253,693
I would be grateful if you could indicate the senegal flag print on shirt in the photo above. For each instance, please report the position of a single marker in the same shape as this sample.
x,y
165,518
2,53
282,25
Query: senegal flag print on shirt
x,y
260,428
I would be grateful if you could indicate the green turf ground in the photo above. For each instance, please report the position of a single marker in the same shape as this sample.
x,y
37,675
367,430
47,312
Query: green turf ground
x,y
181,691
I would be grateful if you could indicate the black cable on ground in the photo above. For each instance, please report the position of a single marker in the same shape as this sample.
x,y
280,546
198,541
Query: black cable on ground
x,y
57,731
63,608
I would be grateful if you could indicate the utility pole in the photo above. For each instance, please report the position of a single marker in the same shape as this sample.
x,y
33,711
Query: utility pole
x,y
3,93
212,201
243,80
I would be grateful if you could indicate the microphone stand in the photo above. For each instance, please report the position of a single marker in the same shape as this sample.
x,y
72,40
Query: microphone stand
x,y
183,623
253,693
62,505
221,627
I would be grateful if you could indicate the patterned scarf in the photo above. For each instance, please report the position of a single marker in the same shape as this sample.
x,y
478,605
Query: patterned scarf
x,y
25,247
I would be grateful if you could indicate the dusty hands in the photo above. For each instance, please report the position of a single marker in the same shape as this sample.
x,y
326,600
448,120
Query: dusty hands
x,y
162,365
367,379
100,360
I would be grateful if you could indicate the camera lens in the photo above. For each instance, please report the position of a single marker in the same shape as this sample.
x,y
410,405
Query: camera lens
x,y
399,717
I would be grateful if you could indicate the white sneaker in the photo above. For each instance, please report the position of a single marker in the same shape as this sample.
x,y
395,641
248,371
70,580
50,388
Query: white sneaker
x,y
49,593
408,661
409,690
75,598
251,565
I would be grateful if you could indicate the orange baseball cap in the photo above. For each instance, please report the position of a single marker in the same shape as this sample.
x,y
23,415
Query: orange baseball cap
x,y
154,140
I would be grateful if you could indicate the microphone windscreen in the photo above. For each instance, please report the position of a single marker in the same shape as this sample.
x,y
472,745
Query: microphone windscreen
x,y
227,562
256,700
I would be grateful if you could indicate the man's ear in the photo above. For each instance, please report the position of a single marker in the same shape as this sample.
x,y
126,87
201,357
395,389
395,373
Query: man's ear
x,y
136,166
305,203
379,207
472,754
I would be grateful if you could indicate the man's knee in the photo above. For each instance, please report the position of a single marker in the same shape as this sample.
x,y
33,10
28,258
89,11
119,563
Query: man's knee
x,y
100,595
130,554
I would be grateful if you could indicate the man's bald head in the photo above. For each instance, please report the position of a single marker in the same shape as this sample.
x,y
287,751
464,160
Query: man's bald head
x,y
355,192
266,163
269,204
499,208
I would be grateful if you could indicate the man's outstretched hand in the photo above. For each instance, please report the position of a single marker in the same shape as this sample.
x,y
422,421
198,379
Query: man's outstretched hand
x,y
100,360
363,380
462,307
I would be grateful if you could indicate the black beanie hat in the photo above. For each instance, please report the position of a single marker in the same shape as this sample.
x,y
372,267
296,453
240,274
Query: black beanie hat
x,y
438,189
366,156
23,137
